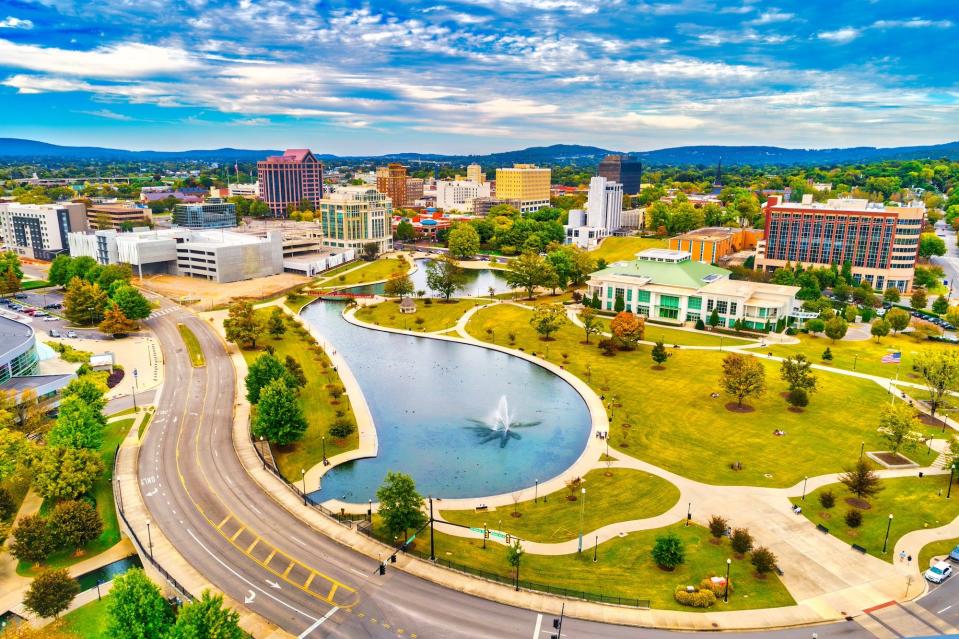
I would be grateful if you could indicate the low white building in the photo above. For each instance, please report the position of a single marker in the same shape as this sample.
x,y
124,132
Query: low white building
x,y
602,216
212,254
459,194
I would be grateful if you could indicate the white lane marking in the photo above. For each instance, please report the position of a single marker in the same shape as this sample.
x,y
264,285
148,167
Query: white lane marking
x,y
357,572
255,509
250,598
273,585
944,609
247,581
299,541
539,624
318,623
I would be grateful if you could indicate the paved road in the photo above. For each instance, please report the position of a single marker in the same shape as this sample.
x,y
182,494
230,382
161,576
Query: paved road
x,y
251,548
950,261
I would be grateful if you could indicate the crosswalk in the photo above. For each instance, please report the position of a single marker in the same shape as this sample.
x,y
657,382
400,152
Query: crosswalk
x,y
894,620
163,311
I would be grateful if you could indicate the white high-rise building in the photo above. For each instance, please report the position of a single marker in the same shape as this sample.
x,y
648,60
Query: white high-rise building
x,y
459,194
604,205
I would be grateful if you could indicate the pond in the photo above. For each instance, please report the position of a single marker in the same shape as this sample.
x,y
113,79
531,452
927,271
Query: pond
x,y
478,282
462,420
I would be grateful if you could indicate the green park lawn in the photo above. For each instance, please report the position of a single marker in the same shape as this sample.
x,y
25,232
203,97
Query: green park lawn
x,y
102,494
88,621
314,399
863,356
615,249
625,568
296,301
914,502
935,549
670,335
375,271
436,316
192,345
625,495
677,425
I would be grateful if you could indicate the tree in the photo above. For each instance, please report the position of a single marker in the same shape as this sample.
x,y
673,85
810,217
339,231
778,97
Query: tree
x,y
930,244
131,301
242,326
276,324
659,353
836,328
620,304
75,524
464,241
65,473
528,271
405,231
718,526
136,608
590,322
400,504
399,285
940,373
827,499
898,319
207,619
743,376
763,560
941,305
798,398
514,554
12,445
78,425
891,295
797,373
918,299
26,631
279,417
261,372
116,323
669,551
741,541
898,426
61,270
713,318
32,540
113,273
445,276
295,377
861,481
548,318
815,325
50,593
628,328
9,283
879,329
84,303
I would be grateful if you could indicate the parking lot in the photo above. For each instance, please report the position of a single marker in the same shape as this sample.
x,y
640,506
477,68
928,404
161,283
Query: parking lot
x,y
36,301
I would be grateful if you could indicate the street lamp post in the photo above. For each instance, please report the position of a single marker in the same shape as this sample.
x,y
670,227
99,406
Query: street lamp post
x,y
595,544
432,551
369,511
582,517
303,477
689,513
323,439
150,539
804,480
862,449
949,490
729,563
886,540
484,535
536,491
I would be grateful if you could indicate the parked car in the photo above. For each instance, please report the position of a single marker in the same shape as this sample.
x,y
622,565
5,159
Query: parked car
x,y
30,311
20,296
50,318
954,555
40,313
71,334
938,573
54,333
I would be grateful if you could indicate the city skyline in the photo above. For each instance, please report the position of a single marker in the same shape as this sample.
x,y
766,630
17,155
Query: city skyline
x,y
477,76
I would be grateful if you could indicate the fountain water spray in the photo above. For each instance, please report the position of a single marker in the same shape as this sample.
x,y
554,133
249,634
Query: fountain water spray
x,y
499,425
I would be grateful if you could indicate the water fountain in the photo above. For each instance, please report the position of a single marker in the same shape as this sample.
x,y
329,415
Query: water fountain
x,y
499,425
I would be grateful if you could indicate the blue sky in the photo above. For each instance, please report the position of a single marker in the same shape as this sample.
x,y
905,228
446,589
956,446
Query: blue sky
x,y
478,75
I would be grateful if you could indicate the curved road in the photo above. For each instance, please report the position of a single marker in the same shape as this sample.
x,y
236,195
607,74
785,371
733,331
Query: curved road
x,y
254,550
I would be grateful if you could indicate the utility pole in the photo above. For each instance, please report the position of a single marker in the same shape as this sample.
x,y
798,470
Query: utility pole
x,y
432,547
558,623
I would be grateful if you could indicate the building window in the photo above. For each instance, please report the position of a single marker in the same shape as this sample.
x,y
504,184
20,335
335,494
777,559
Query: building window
x,y
668,313
695,303
642,296
669,301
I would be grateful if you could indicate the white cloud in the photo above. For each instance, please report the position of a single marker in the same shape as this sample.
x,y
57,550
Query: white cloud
x,y
44,84
511,106
121,60
840,36
251,122
11,22
912,23
772,16
109,115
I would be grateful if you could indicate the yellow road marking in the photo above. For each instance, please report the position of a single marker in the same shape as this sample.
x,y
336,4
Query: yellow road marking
x,y
267,560
253,545
332,590
309,581
288,569
225,519
237,533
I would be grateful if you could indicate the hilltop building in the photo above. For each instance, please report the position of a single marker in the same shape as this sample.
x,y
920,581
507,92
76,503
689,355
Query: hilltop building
x,y
285,180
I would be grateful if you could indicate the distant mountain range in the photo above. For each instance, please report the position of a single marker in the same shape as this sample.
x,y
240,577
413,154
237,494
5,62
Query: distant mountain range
x,y
14,149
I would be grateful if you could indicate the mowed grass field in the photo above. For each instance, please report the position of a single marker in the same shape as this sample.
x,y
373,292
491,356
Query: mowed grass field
x,y
670,335
615,249
675,423
375,271
436,316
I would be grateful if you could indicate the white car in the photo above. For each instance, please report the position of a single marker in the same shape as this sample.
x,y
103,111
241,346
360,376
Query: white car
x,y
938,573
50,318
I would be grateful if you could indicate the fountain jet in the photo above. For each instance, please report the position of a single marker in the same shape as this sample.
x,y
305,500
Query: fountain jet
x,y
499,425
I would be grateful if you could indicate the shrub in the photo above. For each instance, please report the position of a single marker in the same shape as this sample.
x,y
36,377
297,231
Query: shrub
x,y
669,552
700,325
798,398
763,560
717,587
512,337
717,526
696,599
742,541
7,507
853,518
827,355
790,331
342,428
428,301
607,345
826,499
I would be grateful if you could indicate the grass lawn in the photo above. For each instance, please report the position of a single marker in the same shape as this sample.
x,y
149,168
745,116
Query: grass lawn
x,y
935,549
435,317
314,399
677,425
29,285
102,493
88,621
863,356
626,495
375,271
125,411
192,345
671,335
338,269
295,302
143,424
625,568
615,249
914,503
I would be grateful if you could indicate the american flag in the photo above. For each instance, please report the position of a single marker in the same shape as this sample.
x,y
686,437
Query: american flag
x,y
892,358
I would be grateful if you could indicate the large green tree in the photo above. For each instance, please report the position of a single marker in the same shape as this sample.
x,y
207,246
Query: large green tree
x,y
743,376
445,276
548,318
84,303
797,373
261,372
78,425
207,618
132,302
136,608
50,593
464,241
400,506
939,370
242,326
75,523
32,539
279,417
528,271
65,473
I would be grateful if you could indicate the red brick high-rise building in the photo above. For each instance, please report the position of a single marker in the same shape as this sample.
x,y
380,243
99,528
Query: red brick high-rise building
x,y
290,178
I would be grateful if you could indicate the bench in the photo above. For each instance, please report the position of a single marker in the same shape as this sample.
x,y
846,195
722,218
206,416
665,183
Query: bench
x,y
779,571
859,548
822,528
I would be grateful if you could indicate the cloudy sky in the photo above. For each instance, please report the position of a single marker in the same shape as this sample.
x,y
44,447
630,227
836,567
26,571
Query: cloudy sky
x,y
478,75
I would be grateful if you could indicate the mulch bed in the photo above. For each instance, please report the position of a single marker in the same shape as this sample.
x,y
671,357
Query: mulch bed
x,y
928,420
733,407
893,459
795,409
658,367
861,504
